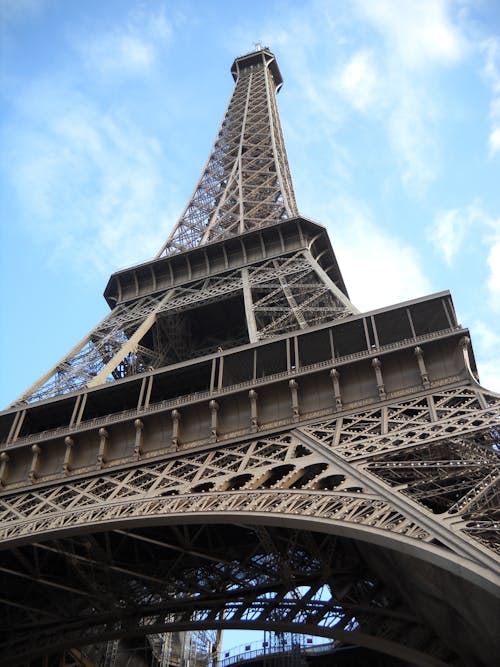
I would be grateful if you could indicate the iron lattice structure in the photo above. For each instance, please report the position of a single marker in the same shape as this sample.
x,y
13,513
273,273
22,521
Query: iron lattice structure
x,y
246,183
236,446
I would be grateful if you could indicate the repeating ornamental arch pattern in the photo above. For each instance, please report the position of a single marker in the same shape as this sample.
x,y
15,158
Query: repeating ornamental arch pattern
x,y
439,450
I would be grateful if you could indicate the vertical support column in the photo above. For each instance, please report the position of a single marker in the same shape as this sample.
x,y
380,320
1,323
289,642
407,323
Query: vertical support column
x,y
139,428
338,432
294,386
254,422
446,312
145,393
375,332
176,418
419,354
384,414
249,312
148,391
369,343
141,393
34,472
335,375
4,464
221,370
16,426
68,455
377,366
213,374
332,346
75,411
214,409
296,350
432,408
83,403
103,447
77,415
410,320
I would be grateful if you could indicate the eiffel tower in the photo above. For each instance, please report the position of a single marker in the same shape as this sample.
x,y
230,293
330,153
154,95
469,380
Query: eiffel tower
x,y
236,446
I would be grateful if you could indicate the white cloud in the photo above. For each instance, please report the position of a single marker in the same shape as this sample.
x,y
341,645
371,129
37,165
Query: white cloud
x,y
418,32
413,138
493,283
16,10
419,37
94,181
93,177
487,339
494,140
393,77
448,231
453,227
115,53
378,268
486,347
489,373
491,72
373,84
358,80
130,48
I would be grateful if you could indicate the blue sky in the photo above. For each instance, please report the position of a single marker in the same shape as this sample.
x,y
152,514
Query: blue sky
x,y
391,115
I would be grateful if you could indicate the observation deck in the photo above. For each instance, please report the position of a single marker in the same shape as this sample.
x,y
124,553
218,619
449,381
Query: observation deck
x,y
256,58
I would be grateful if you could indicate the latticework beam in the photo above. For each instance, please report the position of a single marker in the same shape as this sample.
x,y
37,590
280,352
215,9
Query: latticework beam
x,y
246,182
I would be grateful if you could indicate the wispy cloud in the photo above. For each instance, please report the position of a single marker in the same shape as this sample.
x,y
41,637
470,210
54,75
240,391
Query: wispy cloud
x,y
393,80
450,227
130,47
489,373
487,344
93,178
359,82
378,267
493,282
418,33
413,137
418,38
16,10
491,72
453,227
486,338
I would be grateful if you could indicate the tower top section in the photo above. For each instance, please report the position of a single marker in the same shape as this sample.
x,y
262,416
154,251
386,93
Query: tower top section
x,y
246,183
256,58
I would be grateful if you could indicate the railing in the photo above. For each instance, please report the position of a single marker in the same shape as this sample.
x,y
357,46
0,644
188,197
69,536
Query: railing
x,y
198,396
255,650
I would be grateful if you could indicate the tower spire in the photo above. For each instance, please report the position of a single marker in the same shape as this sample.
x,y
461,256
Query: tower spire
x,y
246,181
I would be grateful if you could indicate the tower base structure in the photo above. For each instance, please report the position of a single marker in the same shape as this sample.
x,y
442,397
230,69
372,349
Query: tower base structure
x,y
338,480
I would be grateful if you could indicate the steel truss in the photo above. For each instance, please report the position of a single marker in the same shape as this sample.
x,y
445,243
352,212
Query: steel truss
x,y
357,475
246,185
354,496
212,576
282,294
246,182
